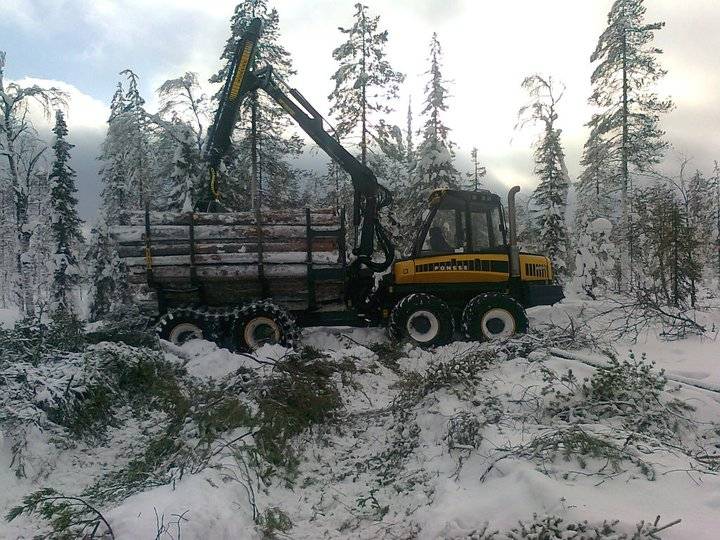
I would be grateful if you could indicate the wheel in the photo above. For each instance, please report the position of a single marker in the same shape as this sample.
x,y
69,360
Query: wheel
x,y
263,323
423,319
491,316
183,325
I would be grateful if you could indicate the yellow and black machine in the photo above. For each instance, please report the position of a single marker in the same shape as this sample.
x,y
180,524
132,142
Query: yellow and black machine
x,y
465,276
466,273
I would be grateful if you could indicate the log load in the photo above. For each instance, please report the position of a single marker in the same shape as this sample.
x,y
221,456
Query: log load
x,y
295,257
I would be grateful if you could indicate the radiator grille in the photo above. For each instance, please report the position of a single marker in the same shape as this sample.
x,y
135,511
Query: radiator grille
x,y
536,270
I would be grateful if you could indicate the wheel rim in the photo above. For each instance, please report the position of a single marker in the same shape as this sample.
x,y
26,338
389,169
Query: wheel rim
x,y
260,331
497,323
184,332
423,326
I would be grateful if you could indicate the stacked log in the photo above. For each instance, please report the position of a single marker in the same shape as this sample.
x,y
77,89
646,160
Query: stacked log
x,y
225,259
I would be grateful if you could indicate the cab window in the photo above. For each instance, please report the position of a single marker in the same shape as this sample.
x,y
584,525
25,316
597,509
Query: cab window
x,y
446,233
485,228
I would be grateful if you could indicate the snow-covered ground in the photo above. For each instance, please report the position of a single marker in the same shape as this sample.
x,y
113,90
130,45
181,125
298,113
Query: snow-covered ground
x,y
387,467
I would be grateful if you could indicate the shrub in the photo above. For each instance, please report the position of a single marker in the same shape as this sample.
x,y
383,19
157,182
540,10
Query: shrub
x,y
125,324
69,517
464,370
631,392
463,431
299,395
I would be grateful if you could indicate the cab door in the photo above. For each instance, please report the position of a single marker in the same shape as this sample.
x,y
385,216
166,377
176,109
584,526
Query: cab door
x,y
459,243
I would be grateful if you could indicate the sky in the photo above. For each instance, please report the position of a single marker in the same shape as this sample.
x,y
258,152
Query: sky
x,y
489,47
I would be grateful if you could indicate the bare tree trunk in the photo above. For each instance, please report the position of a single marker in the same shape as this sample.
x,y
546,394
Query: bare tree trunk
x,y
254,181
363,140
24,268
717,210
627,262
676,277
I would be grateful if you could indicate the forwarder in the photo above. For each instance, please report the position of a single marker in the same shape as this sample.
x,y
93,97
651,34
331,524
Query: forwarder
x,y
245,279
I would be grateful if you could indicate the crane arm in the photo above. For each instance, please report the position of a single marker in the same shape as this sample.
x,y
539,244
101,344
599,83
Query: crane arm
x,y
237,87
369,195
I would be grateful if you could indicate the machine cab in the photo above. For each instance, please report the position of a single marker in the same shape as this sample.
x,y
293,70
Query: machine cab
x,y
461,222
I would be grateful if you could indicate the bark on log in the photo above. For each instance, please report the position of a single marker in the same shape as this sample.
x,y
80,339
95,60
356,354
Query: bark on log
x,y
319,257
249,233
162,248
274,217
247,272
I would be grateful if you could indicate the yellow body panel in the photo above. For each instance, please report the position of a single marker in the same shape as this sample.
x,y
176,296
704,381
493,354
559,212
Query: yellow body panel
x,y
535,268
469,268
455,268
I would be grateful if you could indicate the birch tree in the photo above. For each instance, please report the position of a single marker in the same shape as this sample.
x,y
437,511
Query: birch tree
x,y
182,121
22,152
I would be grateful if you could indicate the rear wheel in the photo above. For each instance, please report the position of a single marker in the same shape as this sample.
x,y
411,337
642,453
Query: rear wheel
x,y
183,325
423,319
493,316
264,323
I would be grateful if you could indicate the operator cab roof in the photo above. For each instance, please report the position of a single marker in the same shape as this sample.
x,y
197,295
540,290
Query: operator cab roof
x,y
456,198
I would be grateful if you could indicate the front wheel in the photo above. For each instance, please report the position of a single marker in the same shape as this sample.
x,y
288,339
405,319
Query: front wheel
x,y
423,319
493,316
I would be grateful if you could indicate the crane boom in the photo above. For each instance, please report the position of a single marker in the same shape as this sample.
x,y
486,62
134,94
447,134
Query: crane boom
x,y
369,196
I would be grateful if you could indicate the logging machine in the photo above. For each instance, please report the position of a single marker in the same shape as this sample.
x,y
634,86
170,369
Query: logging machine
x,y
249,278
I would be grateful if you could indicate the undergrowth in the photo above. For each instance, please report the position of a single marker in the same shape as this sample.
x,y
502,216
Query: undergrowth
x,y
79,398
631,394
549,527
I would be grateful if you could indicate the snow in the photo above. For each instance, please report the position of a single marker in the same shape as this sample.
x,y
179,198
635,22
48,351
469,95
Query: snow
x,y
205,359
208,505
437,492
8,317
600,226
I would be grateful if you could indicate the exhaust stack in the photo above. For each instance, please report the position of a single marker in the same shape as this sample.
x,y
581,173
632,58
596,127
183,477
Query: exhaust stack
x,y
512,219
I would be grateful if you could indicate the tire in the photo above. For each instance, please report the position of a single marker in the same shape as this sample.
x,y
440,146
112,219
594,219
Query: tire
x,y
491,316
263,323
422,319
183,325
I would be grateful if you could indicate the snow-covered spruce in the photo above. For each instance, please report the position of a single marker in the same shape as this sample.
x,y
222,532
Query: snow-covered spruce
x,y
550,197
626,139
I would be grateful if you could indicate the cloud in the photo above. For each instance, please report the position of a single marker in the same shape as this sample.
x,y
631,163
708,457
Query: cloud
x,y
489,47
83,111
86,118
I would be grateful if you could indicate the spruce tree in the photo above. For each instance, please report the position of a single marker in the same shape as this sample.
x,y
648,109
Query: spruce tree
x,y
65,220
478,171
108,275
185,180
550,196
365,82
276,177
115,195
594,258
136,140
409,141
715,180
625,139
434,166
